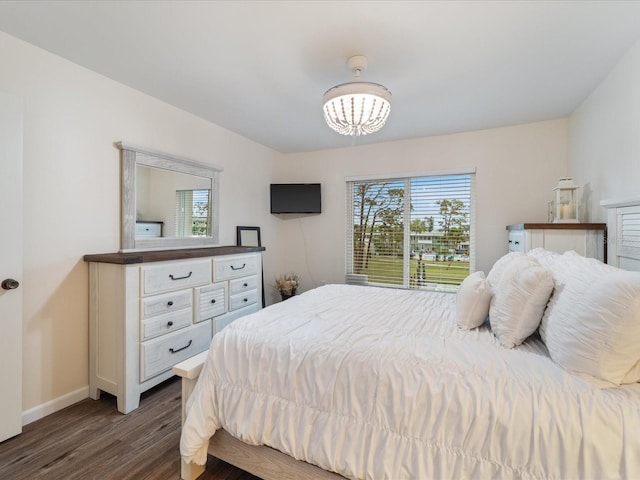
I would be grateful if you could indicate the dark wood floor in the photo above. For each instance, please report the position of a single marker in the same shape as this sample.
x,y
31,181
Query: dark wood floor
x,y
92,440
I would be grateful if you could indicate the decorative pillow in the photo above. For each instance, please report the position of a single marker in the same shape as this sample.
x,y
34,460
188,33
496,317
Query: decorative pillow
x,y
545,257
472,301
592,323
493,278
519,301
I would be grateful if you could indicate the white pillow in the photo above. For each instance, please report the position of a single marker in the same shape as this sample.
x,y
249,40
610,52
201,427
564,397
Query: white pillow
x,y
519,301
592,323
545,257
472,301
493,278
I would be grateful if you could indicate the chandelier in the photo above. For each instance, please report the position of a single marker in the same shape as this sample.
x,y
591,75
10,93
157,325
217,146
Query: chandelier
x,y
357,108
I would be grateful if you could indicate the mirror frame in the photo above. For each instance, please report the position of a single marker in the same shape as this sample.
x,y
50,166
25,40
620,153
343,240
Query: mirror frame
x,y
130,157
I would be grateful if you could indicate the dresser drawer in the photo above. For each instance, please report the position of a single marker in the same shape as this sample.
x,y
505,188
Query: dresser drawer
x,y
244,284
161,324
211,301
228,267
160,304
174,276
242,299
162,353
148,229
220,323
516,241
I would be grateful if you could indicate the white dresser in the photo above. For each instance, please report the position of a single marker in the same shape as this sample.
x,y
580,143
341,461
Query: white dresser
x,y
150,310
588,239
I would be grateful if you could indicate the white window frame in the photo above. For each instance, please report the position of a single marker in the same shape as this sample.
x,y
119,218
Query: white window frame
x,y
357,279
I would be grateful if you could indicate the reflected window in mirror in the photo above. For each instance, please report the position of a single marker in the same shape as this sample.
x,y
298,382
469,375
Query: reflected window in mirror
x,y
192,213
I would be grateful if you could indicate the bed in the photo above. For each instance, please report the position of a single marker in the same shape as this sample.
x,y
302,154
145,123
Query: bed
x,y
367,382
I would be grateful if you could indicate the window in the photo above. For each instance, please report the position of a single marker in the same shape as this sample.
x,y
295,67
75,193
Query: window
x,y
192,213
412,232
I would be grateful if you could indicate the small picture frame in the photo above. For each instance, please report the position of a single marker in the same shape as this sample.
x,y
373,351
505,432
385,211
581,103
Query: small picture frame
x,y
248,237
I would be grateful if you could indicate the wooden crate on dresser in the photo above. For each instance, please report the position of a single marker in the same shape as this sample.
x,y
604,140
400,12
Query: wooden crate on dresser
x,y
149,310
588,239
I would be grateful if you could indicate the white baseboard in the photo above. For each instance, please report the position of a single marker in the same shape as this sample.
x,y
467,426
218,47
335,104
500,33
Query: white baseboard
x,y
52,406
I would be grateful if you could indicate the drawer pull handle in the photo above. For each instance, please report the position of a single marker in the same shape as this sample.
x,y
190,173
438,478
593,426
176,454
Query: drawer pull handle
x,y
180,278
176,350
517,243
245,299
213,300
245,285
238,268
170,303
510,241
169,323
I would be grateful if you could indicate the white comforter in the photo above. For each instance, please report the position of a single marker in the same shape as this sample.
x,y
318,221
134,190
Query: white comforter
x,y
380,383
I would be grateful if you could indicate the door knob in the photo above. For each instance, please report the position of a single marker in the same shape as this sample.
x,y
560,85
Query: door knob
x,y
10,284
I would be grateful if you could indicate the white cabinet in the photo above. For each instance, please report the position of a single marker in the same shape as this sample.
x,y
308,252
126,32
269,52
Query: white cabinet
x,y
587,239
151,310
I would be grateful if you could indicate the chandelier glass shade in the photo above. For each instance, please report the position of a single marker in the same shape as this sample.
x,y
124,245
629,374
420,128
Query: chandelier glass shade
x,y
356,108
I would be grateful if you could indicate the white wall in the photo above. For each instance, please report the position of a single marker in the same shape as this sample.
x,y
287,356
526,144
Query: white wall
x,y
72,118
605,138
517,167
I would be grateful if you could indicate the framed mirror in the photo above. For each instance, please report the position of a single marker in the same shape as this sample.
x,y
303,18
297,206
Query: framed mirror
x,y
167,202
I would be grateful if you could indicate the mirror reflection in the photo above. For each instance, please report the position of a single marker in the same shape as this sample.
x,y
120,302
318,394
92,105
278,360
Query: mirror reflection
x,y
171,204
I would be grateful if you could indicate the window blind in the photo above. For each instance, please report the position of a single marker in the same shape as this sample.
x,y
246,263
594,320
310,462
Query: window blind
x,y
411,232
192,213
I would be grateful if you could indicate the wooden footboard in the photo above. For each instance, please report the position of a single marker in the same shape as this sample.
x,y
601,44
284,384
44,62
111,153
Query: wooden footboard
x,y
264,462
261,461
189,370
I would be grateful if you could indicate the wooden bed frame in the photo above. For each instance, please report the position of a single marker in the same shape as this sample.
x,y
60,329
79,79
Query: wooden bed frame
x,y
269,464
261,461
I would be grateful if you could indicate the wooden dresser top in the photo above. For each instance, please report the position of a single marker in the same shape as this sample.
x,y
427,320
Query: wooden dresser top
x,y
558,226
126,258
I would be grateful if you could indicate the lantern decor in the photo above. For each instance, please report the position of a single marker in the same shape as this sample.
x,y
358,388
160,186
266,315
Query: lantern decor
x,y
565,202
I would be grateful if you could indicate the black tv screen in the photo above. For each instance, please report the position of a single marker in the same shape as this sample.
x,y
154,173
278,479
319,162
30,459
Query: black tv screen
x,y
295,198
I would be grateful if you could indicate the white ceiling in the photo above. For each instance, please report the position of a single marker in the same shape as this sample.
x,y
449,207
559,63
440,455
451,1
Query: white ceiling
x,y
260,68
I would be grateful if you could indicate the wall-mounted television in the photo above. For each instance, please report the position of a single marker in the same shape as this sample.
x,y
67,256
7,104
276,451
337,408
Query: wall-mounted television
x,y
295,198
